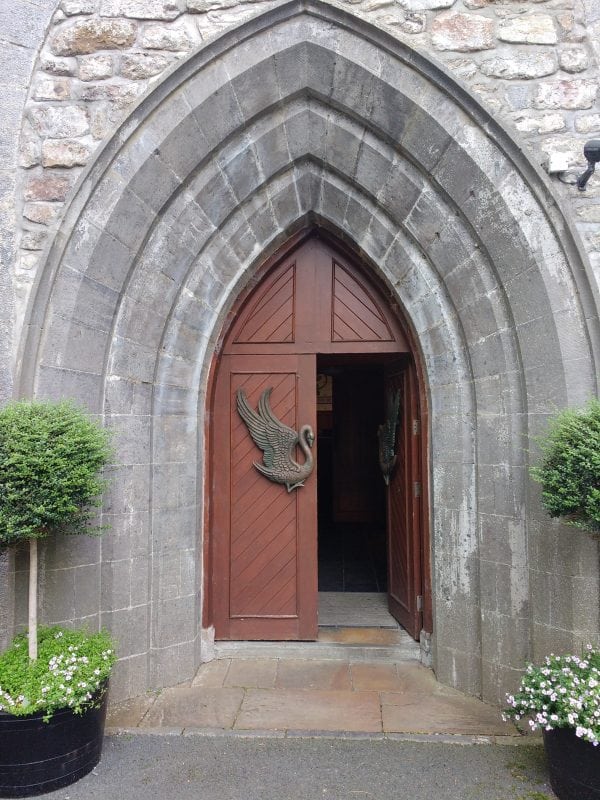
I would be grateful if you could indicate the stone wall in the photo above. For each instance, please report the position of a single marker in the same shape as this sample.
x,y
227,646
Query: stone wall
x,y
533,64
137,305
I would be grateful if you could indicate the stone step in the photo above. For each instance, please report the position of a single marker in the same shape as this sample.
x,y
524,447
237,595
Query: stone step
x,y
333,644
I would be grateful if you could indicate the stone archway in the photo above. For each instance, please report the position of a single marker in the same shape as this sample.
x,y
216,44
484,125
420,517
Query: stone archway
x,y
308,114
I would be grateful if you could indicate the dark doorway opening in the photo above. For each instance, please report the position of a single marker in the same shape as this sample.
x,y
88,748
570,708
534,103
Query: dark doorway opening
x,y
352,545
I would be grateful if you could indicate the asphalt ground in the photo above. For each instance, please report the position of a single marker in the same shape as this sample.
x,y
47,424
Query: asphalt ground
x,y
258,767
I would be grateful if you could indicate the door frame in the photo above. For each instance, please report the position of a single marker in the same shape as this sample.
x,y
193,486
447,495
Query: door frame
x,y
265,264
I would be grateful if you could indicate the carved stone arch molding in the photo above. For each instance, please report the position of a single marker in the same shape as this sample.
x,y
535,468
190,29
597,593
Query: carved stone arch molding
x,y
307,115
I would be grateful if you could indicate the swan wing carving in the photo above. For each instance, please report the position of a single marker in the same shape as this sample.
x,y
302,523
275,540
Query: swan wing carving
x,y
277,441
386,434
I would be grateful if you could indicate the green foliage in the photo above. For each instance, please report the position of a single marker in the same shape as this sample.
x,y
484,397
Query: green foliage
x,y
51,455
570,468
70,669
562,693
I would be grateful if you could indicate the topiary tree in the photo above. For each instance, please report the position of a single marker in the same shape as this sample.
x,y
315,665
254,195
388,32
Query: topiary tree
x,y
569,471
51,457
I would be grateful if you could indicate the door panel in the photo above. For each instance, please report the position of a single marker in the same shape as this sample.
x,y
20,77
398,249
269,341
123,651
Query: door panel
x,y
269,554
355,315
403,505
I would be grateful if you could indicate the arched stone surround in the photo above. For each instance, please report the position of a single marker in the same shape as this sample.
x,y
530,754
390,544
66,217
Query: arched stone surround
x,y
306,115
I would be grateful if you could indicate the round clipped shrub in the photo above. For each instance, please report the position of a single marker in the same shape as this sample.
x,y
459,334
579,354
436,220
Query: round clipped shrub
x,y
51,455
569,471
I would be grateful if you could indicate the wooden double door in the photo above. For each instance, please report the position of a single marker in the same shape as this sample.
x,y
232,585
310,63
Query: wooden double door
x,y
314,306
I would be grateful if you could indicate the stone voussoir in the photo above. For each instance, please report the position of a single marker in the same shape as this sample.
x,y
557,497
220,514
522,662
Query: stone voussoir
x,y
427,5
47,187
71,8
34,239
161,37
590,123
568,94
52,89
544,123
462,32
574,59
203,6
59,122
58,66
118,93
95,67
88,36
64,153
40,212
521,65
529,29
142,9
137,66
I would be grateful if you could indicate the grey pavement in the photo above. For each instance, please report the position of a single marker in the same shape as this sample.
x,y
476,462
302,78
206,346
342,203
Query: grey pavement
x,y
327,767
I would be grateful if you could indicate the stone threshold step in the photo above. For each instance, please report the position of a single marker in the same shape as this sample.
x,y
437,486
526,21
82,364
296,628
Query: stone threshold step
x,y
323,651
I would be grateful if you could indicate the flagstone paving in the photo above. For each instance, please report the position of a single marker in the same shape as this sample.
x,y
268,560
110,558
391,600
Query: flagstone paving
x,y
295,695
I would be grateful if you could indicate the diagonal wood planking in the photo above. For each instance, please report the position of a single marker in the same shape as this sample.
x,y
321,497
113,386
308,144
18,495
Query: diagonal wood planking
x,y
263,517
355,314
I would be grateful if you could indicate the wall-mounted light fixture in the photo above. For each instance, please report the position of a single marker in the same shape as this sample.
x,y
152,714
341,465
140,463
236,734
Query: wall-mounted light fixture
x,y
591,152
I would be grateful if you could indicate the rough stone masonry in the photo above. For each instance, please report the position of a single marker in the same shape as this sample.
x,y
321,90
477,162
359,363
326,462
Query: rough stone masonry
x,y
491,257
533,64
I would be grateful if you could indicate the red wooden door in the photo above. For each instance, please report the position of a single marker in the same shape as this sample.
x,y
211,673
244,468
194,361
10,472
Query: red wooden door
x,y
265,568
404,504
264,537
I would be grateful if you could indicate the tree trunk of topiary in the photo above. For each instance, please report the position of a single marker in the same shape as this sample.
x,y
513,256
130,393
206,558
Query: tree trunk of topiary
x,y
33,584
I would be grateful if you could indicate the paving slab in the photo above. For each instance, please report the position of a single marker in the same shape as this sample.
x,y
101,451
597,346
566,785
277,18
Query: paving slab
x,y
312,696
306,709
212,675
376,677
197,707
418,679
322,675
252,673
404,712
129,713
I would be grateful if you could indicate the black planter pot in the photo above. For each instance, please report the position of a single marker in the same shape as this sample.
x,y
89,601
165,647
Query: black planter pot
x,y
38,757
574,765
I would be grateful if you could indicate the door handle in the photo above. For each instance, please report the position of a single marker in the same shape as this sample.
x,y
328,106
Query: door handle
x,y
386,433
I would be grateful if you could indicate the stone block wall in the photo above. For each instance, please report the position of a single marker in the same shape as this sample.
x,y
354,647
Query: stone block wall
x,y
533,64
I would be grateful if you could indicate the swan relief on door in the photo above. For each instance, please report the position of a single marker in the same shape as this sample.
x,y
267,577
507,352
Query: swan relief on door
x,y
277,441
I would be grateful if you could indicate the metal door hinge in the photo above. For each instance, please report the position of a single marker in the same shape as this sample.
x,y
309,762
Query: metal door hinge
x,y
419,602
416,426
417,488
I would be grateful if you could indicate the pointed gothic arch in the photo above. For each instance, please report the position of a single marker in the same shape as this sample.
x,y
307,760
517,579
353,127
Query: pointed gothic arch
x,y
306,114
